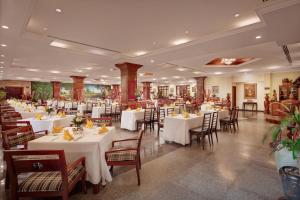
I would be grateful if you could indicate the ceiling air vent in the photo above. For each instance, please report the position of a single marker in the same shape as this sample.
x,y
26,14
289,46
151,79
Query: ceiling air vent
x,y
287,53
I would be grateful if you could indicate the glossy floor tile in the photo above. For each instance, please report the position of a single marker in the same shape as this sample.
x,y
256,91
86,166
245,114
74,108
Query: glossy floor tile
x,y
238,167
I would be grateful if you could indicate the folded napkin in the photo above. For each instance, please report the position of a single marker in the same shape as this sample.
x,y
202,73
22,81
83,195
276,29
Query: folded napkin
x,y
61,114
129,109
89,124
38,116
57,129
103,129
186,115
67,135
138,109
173,114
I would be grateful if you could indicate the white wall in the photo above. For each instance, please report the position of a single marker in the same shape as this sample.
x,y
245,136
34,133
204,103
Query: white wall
x,y
224,83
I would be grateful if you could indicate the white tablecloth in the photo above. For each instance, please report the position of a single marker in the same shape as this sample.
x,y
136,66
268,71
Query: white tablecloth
x,y
81,108
128,119
92,146
98,110
206,106
49,122
176,129
26,114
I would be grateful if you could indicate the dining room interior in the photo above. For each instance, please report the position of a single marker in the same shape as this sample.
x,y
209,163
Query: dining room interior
x,y
169,99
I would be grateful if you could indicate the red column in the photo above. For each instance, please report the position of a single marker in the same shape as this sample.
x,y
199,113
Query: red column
x,y
56,86
200,89
128,81
115,91
78,88
146,90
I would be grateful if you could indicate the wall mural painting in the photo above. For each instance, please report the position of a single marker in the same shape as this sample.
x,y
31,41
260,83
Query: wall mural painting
x,y
41,90
66,91
250,90
92,91
215,90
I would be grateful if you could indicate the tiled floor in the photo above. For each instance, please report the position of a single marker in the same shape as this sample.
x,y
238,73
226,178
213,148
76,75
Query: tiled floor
x,y
239,167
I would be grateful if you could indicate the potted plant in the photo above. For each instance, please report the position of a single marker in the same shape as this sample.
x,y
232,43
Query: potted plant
x,y
49,110
286,147
2,95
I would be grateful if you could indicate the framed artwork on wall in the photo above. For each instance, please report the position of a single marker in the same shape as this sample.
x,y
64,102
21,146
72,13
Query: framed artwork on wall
x,y
215,89
250,90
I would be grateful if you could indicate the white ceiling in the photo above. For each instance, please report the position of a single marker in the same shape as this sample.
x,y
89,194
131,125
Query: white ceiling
x,y
131,26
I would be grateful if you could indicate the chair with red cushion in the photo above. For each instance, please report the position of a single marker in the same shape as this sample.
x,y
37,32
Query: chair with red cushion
x,y
49,174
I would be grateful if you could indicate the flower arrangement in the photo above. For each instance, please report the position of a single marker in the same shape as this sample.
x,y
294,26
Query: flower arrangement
x,y
49,110
78,121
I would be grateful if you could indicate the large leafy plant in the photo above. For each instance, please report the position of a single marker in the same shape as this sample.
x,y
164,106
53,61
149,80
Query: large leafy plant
x,y
286,135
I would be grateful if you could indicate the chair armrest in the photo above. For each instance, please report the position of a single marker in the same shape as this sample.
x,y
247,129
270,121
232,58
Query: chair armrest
x,y
126,140
76,163
43,131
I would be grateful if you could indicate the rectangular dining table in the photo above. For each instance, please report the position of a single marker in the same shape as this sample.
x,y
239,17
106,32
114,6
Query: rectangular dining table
x,y
91,145
49,122
129,118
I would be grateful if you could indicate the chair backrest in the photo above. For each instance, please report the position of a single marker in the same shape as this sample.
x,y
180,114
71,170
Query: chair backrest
x,y
170,110
102,120
148,114
108,108
74,105
214,121
232,113
140,136
117,108
10,125
17,136
181,108
155,113
26,161
236,116
89,106
162,114
206,122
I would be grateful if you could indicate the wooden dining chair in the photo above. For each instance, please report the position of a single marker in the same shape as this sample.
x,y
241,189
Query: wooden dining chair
x,y
229,121
107,111
161,118
102,120
202,131
14,124
123,156
214,126
50,176
170,110
155,117
146,121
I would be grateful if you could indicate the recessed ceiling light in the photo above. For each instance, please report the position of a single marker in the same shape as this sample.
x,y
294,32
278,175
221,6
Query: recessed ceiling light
x,y
273,67
1,62
59,44
45,28
19,77
191,81
58,10
154,43
164,78
104,76
180,41
140,53
88,68
154,79
54,72
152,61
141,74
245,70
79,70
1,67
181,69
186,32
5,27
176,77
258,37
218,73
32,70
236,15
3,45
197,72
2,56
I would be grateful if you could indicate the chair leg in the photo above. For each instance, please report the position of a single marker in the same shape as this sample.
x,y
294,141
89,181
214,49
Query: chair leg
x,y
112,170
203,140
65,196
216,133
140,164
7,180
190,139
138,173
83,183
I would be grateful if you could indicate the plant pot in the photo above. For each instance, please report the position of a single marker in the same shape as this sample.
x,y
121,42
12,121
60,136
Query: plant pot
x,y
284,157
290,182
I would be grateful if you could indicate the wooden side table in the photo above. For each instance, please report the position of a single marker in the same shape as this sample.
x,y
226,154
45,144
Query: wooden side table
x,y
253,104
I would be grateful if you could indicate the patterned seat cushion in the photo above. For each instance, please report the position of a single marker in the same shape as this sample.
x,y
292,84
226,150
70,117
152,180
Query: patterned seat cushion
x,y
127,155
20,139
47,181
